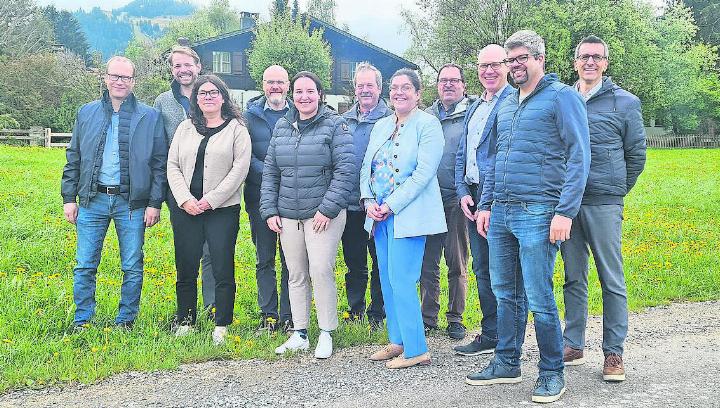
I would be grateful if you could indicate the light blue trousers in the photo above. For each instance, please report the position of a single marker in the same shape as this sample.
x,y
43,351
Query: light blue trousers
x,y
400,262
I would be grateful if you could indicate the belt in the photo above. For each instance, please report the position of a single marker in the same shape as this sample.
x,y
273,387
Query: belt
x,y
110,190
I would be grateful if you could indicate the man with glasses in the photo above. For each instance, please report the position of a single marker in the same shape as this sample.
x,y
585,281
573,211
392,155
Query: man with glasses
x,y
531,193
174,106
361,118
450,108
472,158
115,171
617,139
261,115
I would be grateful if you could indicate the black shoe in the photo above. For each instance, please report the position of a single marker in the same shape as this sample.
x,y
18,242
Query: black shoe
x,y
268,324
478,346
287,326
375,325
429,329
456,330
128,326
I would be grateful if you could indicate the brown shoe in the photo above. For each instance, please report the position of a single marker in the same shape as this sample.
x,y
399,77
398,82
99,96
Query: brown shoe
x,y
402,362
573,357
613,369
387,352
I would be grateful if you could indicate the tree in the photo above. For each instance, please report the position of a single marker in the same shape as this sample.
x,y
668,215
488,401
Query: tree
x,y
68,32
278,8
287,42
213,20
23,28
323,10
707,18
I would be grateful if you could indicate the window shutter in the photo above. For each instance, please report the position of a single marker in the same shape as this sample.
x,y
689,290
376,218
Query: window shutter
x,y
238,66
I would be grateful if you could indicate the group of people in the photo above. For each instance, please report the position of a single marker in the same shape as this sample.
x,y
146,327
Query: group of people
x,y
516,174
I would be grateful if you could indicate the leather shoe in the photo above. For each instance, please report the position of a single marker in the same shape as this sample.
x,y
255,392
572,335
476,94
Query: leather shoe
x,y
402,362
387,352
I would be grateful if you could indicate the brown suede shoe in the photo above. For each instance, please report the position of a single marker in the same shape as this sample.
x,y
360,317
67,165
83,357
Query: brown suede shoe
x,y
402,362
387,352
613,369
573,357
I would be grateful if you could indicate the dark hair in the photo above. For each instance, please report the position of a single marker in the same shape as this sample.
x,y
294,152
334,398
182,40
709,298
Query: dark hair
x,y
592,39
451,65
411,74
314,78
229,109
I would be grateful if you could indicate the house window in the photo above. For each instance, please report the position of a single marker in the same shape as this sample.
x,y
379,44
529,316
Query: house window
x,y
347,70
221,62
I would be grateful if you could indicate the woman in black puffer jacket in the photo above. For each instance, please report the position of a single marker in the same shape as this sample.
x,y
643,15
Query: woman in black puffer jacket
x,y
308,175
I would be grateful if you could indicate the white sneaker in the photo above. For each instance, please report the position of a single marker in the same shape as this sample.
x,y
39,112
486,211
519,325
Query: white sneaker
x,y
219,334
294,343
183,330
324,347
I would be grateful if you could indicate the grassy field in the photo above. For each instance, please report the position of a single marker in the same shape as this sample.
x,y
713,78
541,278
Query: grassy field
x,y
671,249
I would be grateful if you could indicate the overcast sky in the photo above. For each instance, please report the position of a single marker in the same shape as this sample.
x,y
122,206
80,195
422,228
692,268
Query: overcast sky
x,y
377,21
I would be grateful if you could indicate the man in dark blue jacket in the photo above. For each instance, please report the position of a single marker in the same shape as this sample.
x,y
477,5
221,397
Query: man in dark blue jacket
x,y
116,169
473,153
617,139
361,118
530,196
261,116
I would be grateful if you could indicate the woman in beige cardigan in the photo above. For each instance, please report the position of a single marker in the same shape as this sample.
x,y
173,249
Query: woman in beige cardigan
x,y
208,160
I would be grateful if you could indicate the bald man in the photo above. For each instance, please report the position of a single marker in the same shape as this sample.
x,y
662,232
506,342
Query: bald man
x,y
261,115
115,171
474,153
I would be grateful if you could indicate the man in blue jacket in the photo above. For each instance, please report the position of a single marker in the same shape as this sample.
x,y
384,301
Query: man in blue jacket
x,y
361,118
530,196
261,116
116,169
617,139
473,153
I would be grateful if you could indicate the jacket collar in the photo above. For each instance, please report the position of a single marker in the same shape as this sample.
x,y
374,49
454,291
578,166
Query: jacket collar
x,y
458,109
378,112
128,105
256,106
293,116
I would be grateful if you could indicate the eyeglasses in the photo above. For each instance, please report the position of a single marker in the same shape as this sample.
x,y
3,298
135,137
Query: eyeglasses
x,y
212,94
122,78
586,57
451,81
520,59
494,65
404,88
273,82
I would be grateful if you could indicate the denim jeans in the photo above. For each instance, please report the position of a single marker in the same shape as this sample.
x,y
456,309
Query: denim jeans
x,y
522,261
92,225
481,269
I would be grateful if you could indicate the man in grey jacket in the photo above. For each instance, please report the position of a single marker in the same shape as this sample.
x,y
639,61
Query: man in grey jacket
x,y
450,108
174,106
617,144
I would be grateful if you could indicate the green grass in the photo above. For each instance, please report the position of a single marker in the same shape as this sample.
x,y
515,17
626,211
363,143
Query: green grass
x,y
671,248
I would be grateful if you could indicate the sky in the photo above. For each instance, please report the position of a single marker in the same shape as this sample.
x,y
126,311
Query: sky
x,y
382,28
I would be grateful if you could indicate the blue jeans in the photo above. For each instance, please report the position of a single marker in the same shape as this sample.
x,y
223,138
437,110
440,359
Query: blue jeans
x,y
522,261
481,269
92,225
400,261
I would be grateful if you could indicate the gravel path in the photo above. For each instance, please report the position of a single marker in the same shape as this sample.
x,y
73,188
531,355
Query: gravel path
x,y
672,359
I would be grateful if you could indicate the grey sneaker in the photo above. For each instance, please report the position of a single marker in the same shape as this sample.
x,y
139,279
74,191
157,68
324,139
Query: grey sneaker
x,y
456,330
495,373
478,346
548,388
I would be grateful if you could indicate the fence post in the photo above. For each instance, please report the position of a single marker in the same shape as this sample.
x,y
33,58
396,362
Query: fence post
x,y
37,136
48,131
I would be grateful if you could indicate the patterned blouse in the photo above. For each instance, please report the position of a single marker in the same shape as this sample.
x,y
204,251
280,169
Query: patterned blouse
x,y
382,172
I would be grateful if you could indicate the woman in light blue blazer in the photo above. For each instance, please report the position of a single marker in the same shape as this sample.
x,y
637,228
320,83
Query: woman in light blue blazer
x,y
401,195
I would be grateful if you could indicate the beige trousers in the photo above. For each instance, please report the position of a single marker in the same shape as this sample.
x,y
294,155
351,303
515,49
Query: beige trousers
x,y
310,258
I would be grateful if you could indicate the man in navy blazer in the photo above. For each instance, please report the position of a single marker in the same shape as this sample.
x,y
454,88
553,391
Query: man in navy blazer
x,y
473,154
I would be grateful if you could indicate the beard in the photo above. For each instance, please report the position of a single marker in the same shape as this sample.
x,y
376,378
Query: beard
x,y
276,99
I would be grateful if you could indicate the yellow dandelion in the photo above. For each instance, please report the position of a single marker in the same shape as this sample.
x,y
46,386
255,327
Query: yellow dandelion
x,y
107,330
66,340
237,339
346,315
271,320
7,341
249,343
94,349
213,309
3,274
55,354
20,269
168,297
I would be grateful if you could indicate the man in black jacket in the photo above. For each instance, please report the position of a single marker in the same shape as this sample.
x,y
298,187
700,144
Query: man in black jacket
x,y
261,116
617,139
116,168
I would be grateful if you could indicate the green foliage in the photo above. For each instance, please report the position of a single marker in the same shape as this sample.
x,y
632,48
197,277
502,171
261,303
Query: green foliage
x,y
68,32
108,34
323,10
671,245
213,20
707,17
24,29
8,122
286,42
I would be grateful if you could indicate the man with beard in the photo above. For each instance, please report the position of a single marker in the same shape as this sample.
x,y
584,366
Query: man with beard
x,y
617,139
450,108
261,115
361,118
531,193
473,156
174,106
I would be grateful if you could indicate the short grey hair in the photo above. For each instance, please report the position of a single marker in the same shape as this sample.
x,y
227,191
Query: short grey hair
x,y
366,66
592,39
528,39
120,58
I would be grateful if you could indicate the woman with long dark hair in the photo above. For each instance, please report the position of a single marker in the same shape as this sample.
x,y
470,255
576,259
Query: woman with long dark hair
x,y
207,163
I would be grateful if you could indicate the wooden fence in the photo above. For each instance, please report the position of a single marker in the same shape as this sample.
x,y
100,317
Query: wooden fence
x,y
673,141
35,136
